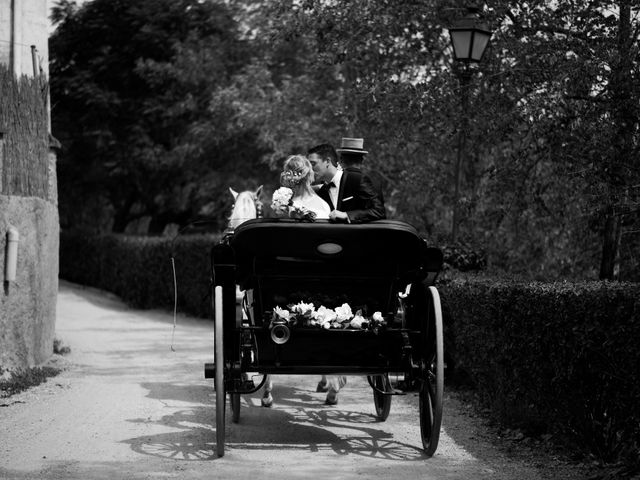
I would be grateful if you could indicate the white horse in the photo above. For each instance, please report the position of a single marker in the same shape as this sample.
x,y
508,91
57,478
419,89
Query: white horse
x,y
247,205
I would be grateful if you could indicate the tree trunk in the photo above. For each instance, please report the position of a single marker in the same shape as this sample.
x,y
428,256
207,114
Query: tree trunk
x,y
610,245
625,120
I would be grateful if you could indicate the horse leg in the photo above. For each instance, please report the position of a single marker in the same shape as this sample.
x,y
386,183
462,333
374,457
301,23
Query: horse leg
x,y
322,384
267,399
335,384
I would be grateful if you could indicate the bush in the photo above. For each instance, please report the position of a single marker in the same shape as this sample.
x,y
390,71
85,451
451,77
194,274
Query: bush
x,y
463,257
21,380
138,269
556,357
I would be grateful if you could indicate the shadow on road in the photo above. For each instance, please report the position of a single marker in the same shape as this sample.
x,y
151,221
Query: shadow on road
x,y
297,422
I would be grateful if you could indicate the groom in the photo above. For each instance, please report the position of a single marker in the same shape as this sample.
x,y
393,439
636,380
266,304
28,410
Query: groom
x,y
350,193
352,199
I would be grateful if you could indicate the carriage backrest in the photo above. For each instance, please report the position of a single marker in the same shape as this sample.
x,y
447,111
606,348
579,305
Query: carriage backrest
x,y
288,261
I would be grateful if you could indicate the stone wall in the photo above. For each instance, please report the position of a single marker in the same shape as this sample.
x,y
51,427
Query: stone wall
x,y
28,305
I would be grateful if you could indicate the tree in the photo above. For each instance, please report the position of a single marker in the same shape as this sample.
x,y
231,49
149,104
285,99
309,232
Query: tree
x,y
131,85
583,59
550,185
558,83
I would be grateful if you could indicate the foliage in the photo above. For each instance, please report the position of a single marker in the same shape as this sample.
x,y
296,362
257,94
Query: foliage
x,y
463,257
60,348
573,68
550,169
22,380
557,357
139,269
537,179
131,90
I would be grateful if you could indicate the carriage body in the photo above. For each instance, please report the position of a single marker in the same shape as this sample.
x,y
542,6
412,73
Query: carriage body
x,y
382,266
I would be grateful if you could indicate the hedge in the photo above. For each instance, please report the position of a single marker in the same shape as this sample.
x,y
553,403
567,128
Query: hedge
x,y
139,270
553,357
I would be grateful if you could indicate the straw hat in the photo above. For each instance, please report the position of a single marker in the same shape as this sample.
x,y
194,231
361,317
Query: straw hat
x,y
352,145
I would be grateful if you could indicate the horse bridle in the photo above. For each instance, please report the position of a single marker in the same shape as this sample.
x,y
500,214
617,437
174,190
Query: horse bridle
x,y
228,232
258,205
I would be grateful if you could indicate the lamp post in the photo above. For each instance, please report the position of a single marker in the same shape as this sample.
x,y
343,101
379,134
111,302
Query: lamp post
x,y
469,38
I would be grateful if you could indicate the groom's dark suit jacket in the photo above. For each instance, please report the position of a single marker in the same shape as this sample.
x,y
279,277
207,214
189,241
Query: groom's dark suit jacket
x,y
357,196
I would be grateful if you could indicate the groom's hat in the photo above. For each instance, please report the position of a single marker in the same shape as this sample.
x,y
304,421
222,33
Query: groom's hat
x,y
352,145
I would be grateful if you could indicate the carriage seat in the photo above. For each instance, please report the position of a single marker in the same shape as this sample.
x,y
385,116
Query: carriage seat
x,y
375,259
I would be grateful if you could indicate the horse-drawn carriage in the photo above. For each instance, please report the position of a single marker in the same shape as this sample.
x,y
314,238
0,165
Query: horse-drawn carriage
x,y
383,269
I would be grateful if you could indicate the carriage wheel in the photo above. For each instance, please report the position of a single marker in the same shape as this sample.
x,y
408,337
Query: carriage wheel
x,y
235,407
219,359
381,401
432,389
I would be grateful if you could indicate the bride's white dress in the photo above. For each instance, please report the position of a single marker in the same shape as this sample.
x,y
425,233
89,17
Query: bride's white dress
x,y
315,204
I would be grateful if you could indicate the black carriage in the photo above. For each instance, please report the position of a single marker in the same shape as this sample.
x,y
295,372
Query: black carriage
x,y
383,267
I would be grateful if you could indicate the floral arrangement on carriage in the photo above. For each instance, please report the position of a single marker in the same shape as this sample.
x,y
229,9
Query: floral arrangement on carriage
x,y
282,204
306,315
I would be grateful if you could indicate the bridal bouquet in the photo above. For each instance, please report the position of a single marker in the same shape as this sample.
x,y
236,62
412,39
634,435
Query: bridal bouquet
x,y
342,317
283,205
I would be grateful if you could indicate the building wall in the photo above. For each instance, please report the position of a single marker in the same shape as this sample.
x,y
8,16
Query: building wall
x,y
28,305
28,191
29,23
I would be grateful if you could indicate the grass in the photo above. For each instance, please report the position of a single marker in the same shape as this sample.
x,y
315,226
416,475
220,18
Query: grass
x,y
21,380
12,382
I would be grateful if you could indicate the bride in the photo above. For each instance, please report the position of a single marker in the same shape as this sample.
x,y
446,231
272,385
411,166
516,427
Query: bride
x,y
297,174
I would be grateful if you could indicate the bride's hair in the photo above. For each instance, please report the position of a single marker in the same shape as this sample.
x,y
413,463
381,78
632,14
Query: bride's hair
x,y
297,174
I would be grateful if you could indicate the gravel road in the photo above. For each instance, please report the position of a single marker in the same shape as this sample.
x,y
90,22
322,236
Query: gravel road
x,y
127,407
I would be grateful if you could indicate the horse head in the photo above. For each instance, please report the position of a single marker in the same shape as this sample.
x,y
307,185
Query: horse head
x,y
247,205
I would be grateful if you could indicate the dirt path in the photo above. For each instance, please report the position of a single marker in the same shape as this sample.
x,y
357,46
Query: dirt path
x,y
127,407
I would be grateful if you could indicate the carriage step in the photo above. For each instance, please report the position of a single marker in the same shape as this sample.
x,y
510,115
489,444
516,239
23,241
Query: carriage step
x,y
393,391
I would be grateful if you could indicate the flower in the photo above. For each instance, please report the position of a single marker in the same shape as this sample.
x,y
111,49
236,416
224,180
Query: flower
x,y
358,321
282,204
290,178
305,309
301,212
283,314
344,312
303,315
281,200
324,316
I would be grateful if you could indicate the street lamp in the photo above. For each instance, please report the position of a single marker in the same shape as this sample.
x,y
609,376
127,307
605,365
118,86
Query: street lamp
x,y
469,38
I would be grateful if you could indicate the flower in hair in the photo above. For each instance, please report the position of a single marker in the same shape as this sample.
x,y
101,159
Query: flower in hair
x,y
290,178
